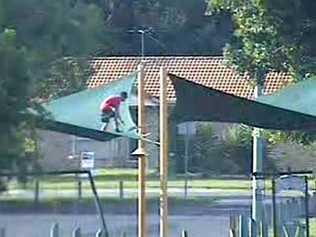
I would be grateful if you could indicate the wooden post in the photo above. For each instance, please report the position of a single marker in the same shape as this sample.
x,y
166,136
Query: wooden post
x,y
54,231
163,154
142,228
121,187
36,192
79,189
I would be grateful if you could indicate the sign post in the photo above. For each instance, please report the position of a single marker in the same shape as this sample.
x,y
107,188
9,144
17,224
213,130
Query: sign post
x,y
186,129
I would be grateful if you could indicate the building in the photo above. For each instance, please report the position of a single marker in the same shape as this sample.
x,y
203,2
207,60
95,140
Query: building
x,y
209,71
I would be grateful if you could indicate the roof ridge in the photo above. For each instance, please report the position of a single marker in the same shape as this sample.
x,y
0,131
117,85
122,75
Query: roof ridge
x,y
159,57
205,70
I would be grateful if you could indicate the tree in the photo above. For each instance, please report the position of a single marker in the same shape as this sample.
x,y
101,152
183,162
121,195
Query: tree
x,y
180,27
38,42
271,35
295,23
64,76
51,30
14,91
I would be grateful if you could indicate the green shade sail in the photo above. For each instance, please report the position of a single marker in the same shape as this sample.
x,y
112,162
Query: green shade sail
x,y
79,114
293,108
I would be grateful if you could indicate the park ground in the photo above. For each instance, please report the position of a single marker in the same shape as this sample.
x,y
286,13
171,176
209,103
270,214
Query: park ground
x,y
120,186
208,200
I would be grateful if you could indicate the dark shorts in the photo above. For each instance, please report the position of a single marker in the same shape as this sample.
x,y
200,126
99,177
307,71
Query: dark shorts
x,y
105,116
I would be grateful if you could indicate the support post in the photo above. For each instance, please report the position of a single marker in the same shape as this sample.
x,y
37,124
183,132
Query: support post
x,y
257,184
184,233
36,192
186,158
54,231
142,228
76,232
2,232
306,206
274,212
163,154
79,188
121,189
98,233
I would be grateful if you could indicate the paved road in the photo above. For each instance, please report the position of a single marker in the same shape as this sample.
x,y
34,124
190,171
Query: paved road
x,y
38,225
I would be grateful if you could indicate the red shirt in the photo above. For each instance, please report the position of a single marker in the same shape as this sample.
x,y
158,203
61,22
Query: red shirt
x,y
111,103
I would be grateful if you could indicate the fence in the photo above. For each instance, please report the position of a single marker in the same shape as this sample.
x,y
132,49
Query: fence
x,y
76,232
284,212
22,203
66,204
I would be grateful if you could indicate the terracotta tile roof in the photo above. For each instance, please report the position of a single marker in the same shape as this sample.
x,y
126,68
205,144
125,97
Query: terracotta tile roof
x,y
206,70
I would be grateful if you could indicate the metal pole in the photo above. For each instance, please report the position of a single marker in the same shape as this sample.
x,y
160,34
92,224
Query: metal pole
x,y
186,159
142,228
163,155
257,184
143,44
306,206
98,203
274,213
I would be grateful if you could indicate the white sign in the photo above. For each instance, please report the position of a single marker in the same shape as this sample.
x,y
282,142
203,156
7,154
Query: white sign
x,y
187,128
87,160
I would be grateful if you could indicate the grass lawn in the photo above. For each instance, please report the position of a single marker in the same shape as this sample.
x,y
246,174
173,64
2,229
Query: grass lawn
x,y
71,183
109,179
312,227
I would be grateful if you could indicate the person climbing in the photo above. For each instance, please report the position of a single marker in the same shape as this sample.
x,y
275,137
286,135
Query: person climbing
x,y
110,108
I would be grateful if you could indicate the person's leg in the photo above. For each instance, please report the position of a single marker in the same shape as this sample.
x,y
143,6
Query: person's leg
x,y
116,119
105,118
104,126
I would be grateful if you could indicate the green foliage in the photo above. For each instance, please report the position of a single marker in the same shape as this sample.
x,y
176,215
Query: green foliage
x,y
271,35
178,27
14,85
235,150
36,36
279,137
54,28
295,22
294,156
230,153
51,34
64,77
